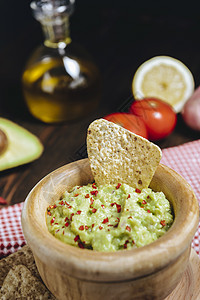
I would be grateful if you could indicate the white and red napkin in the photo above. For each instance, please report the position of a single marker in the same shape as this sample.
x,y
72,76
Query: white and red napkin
x,y
11,235
184,159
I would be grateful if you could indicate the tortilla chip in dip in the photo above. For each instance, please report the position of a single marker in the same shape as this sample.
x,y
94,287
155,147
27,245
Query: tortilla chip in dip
x,y
118,155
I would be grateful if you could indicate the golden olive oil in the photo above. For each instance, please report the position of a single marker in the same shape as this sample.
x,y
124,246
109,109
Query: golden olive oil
x,y
57,91
60,80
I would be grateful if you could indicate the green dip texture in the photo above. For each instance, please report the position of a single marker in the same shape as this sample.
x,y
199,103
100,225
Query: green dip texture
x,y
109,217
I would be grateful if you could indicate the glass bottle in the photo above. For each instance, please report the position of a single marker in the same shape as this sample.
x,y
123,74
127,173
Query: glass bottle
x,y
60,80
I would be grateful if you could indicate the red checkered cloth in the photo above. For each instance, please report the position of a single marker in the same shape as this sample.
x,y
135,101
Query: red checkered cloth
x,y
11,235
184,159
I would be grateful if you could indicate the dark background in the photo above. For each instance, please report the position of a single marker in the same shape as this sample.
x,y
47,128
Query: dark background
x,y
120,35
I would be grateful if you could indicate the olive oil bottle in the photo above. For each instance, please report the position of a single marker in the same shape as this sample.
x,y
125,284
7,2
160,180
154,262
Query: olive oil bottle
x,y
60,80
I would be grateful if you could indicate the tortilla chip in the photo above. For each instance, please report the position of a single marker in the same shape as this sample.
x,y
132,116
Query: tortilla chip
x,y
24,256
119,156
19,265
21,284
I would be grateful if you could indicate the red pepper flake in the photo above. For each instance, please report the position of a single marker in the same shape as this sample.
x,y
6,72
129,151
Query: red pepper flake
x,y
100,227
78,212
118,207
142,206
110,225
118,186
91,201
128,196
87,196
81,227
102,206
49,213
130,217
50,206
94,210
63,232
81,245
92,225
105,221
128,228
67,224
86,227
144,202
137,190
94,193
52,220
163,223
69,206
94,185
66,219
61,202
3,201
54,206
71,216
125,244
133,242
148,197
148,211
76,238
76,195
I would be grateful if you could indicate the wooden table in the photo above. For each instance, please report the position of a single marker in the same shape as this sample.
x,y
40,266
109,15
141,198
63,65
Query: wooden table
x,y
120,36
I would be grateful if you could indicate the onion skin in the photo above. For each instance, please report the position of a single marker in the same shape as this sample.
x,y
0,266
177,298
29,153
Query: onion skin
x,y
191,110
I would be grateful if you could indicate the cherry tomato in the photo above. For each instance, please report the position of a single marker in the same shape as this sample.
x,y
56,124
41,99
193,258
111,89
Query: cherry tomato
x,y
129,122
159,117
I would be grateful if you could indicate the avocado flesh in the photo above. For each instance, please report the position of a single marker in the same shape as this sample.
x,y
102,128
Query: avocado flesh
x,y
22,147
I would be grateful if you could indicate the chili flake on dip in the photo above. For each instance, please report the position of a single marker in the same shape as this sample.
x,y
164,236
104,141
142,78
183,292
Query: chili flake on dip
x,y
109,217
118,211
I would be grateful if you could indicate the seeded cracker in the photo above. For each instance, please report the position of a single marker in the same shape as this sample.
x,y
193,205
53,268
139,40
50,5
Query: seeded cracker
x,y
118,155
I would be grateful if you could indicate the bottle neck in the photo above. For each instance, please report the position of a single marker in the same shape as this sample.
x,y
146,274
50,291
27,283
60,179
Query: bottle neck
x,y
54,18
56,31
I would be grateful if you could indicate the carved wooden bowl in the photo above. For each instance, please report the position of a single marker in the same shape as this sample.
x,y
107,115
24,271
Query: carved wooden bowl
x,y
149,272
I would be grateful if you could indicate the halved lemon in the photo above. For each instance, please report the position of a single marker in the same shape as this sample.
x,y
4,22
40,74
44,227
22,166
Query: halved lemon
x,y
165,78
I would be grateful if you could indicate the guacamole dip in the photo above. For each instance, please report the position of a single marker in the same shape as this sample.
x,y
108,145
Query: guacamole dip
x,y
109,217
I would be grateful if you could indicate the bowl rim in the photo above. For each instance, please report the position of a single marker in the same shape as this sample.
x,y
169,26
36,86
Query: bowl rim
x,y
100,266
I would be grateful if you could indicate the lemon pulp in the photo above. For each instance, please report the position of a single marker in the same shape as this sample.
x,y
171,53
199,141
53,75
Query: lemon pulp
x,y
165,82
165,78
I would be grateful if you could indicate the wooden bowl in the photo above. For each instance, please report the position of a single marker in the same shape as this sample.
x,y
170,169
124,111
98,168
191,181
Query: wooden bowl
x,y
149,272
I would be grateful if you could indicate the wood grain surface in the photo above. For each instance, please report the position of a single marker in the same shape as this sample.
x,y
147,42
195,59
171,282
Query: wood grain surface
x,y
188,288
119,37
152,272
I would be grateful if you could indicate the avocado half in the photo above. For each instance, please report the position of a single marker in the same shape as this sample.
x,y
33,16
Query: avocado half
x,y
21,146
